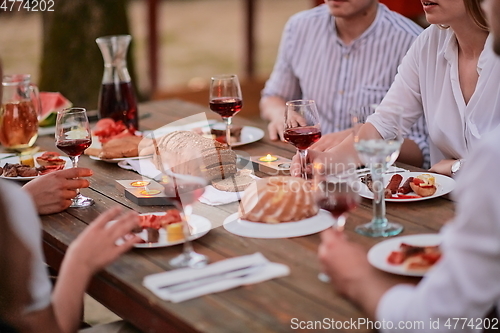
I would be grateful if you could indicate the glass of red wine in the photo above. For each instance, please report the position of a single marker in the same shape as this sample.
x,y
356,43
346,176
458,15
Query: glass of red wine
x,y
73,136
226,99
336,191
184,182
302,127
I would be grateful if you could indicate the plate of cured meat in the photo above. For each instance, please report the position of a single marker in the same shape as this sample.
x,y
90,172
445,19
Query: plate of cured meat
x,y
161,229
409,186
41,164
412,255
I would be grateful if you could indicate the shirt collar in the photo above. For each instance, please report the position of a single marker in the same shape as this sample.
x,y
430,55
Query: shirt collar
x,y
451,50
380,14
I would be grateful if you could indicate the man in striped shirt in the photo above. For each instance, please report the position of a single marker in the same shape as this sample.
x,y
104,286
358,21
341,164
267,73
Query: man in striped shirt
x,y
343,54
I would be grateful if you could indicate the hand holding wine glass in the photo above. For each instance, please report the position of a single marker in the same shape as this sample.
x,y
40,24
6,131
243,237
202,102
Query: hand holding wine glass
x,y
336,192
378,153
226,99
184,182
302,127
73,136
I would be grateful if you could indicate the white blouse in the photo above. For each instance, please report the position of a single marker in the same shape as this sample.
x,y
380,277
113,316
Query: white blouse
x,y
428,83
464,285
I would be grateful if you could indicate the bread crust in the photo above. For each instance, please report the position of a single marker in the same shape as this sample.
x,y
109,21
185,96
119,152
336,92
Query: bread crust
x,y
423,191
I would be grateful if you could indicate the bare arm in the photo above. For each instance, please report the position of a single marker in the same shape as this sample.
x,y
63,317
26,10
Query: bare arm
x,y
351,274
91,251
272,108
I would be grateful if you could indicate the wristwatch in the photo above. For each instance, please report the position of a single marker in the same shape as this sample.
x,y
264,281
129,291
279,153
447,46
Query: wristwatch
x,y
455,167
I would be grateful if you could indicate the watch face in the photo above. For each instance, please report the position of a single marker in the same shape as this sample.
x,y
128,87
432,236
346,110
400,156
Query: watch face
x,y
456,166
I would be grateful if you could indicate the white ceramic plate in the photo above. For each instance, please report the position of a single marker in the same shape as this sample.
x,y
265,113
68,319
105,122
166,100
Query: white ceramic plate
x,y
97,144
444,186
200,226
377,256
15,159
117,160
312,225
249,134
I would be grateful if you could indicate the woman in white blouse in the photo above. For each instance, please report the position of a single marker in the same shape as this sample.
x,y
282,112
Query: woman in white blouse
x,y
450,75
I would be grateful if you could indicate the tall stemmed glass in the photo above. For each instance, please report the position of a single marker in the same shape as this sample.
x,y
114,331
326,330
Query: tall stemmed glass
x,y
226,99
73,136
336,191
378,153
302,127
184,182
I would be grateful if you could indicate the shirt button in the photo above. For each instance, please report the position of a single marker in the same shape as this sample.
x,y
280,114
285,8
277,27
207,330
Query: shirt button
x,y
341,92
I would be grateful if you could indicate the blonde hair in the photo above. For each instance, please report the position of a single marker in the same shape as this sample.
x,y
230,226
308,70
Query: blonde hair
x,y
473,8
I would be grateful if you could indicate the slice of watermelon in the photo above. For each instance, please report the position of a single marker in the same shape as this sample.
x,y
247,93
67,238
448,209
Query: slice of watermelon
x,y
51,102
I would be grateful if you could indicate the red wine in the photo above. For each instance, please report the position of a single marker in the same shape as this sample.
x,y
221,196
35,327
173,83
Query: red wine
x,y
119,103
183,191
302,137
226,107
73,147
338,205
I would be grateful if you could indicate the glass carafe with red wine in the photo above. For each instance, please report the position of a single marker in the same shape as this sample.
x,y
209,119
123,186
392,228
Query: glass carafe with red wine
x,y
184,182
117,99
302,127
226,99
336,190
73,137
19,112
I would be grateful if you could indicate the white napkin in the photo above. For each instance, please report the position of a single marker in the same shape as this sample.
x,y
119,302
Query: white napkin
x,y
214,274
144,167
215,197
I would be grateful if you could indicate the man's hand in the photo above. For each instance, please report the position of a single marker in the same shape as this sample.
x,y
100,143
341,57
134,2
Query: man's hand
x,y
52,193
275,129
443,167
96,246
330,140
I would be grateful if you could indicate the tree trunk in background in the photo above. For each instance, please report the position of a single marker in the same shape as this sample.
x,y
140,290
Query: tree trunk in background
x,y
71,61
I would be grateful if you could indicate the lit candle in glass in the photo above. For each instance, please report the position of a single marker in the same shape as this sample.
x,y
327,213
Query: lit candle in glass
x,y
268,158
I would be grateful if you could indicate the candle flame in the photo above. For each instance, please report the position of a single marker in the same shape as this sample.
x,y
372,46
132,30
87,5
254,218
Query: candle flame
x,y
268,158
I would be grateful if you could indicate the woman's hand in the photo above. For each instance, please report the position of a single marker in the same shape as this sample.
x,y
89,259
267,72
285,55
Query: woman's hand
x,y
52,193
330,140
96,246
443,167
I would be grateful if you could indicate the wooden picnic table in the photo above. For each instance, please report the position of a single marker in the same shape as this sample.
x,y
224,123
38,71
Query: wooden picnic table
x,y
270,306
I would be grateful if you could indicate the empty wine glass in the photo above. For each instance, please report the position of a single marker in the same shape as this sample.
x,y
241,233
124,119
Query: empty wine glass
x,y
378,154
184,182
336,191
302,127
226,99
73,136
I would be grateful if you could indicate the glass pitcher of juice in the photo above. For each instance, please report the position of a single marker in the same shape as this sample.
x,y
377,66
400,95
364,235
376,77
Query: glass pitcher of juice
x,y
117,98
19,112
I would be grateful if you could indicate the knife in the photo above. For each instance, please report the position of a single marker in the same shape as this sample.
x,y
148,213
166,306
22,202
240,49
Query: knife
x,y
195,283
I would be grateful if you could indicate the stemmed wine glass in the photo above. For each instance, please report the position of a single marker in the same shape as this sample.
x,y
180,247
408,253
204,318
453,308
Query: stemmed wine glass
x,y
302,127
336,191
73,136
226,99
184,182
378,153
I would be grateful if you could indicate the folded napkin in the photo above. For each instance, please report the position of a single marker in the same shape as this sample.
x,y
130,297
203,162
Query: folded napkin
x,y
144,167
187,283
215,197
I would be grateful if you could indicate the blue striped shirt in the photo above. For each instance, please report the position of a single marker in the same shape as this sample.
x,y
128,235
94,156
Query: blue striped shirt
x,y
314,63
